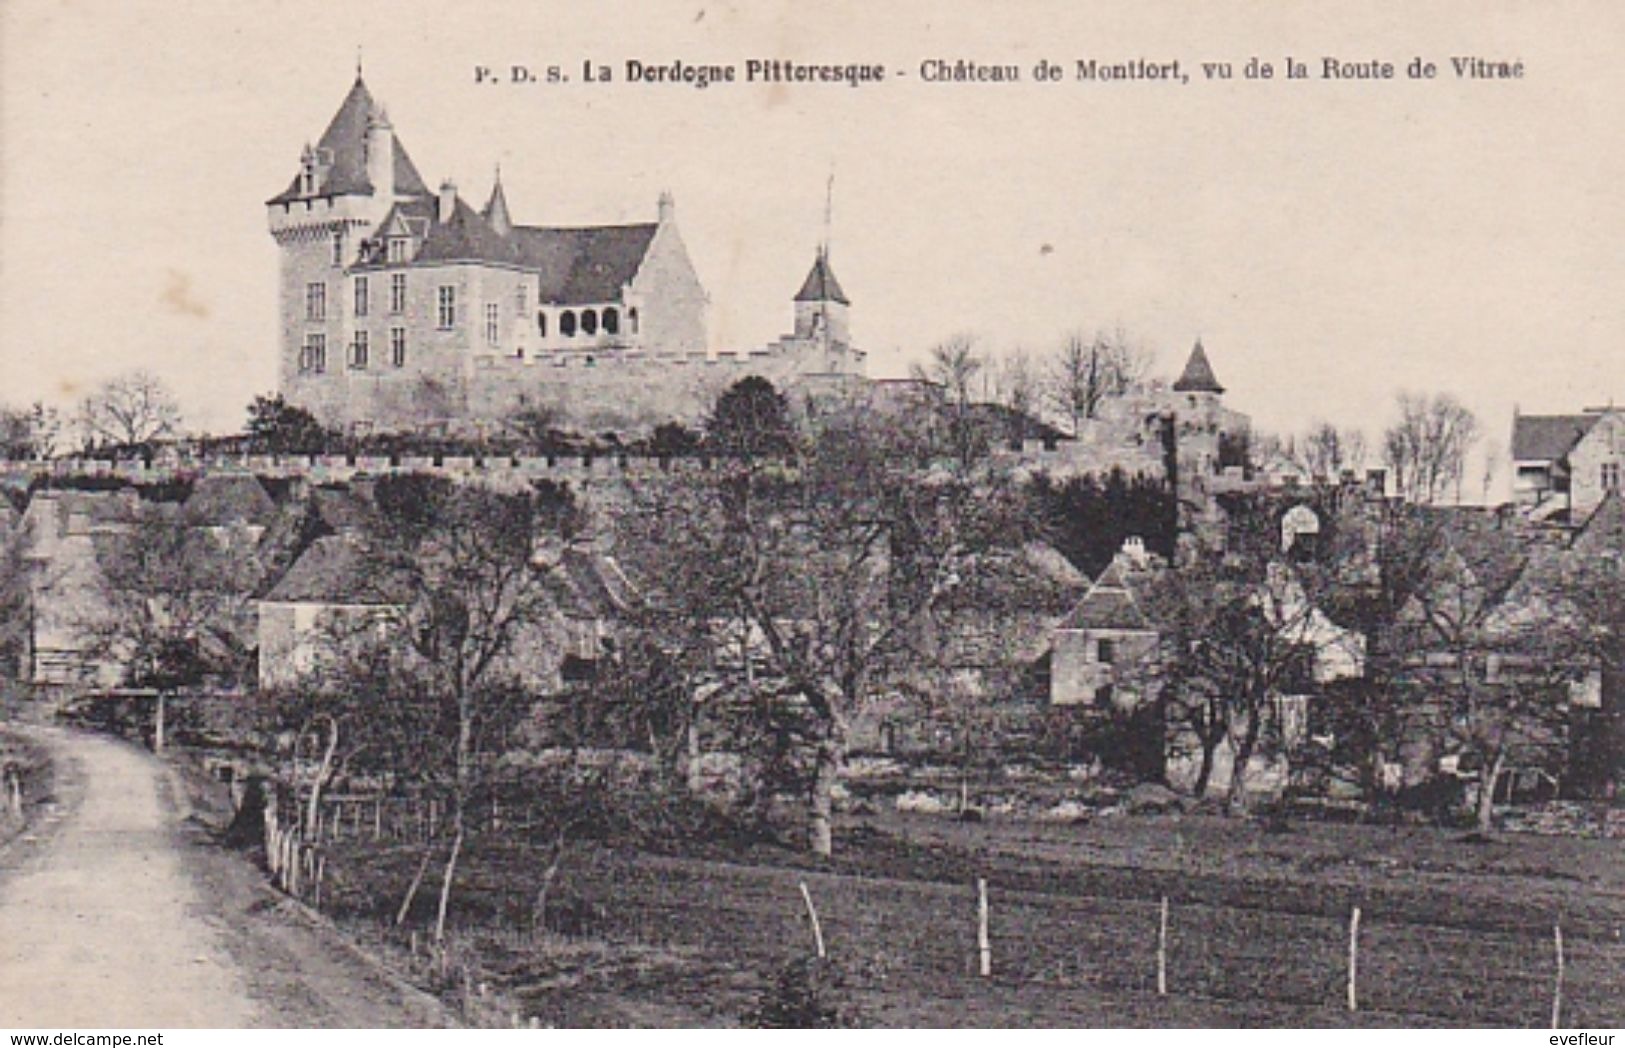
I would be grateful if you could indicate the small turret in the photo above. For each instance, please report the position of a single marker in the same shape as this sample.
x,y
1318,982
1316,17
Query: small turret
x,y
496,209
1198,375
667,208
821,305
381,157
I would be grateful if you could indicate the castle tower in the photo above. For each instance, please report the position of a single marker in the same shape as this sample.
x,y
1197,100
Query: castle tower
x,y
822,307
1198,375
345,187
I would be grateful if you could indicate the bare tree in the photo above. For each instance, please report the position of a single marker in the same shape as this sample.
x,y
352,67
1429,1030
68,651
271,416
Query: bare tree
x,y
176,600
1238,633
1490,656
1086,371
1427,447
30,433
948,379
1017,383
1326,451
130,409
813,574
16,600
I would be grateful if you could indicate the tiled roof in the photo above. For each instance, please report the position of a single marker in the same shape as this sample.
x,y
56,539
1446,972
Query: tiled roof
x,y
1604,530
1198,375
344,146
597,588
333,570
821,285
1107,606
219,499
342,509
1547,438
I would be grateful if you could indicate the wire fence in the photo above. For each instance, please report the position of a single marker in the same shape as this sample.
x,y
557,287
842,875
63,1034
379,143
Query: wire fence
x,y
977,939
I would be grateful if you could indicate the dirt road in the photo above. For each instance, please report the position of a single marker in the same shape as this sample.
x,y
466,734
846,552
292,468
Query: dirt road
x,y
118,912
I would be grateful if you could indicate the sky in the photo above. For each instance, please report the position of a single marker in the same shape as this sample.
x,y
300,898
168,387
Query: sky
x,y
1331,242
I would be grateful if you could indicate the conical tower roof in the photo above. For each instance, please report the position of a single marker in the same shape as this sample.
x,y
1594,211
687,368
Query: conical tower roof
x,y
821,285
1198,375
496,209
343,147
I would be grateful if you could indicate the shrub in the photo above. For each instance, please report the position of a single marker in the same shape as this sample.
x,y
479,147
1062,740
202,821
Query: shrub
x,y
809,994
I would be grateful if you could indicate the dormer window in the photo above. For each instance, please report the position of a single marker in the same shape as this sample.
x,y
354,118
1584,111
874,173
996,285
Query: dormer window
x,y
397,249
307,172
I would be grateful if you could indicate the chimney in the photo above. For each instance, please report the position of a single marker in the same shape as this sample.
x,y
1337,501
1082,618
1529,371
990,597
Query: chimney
x,y
381,156
448,200
668,208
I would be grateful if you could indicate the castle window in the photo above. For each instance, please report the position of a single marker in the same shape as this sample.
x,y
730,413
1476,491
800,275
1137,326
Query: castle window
x,y
316,301
361,302
313,357
632,319
1105,651
360,351
397,249
447,314
397,293
1610,476
541,323
567,324
612,321
338,248
492,327
397,346
521,304
589,322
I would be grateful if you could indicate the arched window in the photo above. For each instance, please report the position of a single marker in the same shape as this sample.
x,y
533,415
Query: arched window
x,y
567,324
541,323
589,322
612,321
632,319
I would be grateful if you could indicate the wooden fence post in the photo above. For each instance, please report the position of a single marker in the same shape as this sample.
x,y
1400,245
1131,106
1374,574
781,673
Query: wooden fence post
x,y
1557,989
1354,960
984,945
817,929
1162,950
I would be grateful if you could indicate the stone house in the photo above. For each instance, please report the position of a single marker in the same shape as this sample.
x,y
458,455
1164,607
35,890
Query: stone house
x,y
1563,465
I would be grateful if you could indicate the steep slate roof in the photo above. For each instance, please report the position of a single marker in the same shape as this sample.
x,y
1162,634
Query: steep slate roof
x,y
467,237
1107,606
577,265
1547,438
821,285
583,265
596,587
219,499
333,570
345,143
496,209
1198,375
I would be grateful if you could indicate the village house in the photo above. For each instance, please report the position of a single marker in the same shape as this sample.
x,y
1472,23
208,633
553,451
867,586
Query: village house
x,y
1563,465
